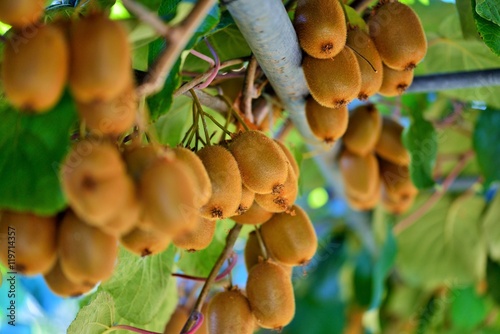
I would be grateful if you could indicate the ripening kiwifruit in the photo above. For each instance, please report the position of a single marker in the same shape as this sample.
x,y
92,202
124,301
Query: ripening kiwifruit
x,y
62,286
270,293
395,83
333,82
21,13
253,251
289,156
167,190
100,65
87,254
95,181
225,178
177,320
359,173
198,239
231,88
365,124
262,163
321,27
256,215
284,199
247,199
366,202
396,204
110,117
138,158
229,312
397,181
290,237
390,145
327,124
35,70
200,174
370,63
28,242
144,242
398,35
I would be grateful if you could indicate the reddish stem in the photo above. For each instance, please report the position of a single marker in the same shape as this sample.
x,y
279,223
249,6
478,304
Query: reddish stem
x,y
215,70
134,329
232,262
199,321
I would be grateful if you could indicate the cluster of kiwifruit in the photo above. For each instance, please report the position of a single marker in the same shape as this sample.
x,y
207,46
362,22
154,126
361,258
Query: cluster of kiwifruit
x,y
374,162
344,62
91,54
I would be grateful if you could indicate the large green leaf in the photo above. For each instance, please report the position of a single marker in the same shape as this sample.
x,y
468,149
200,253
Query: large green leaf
x,y
161,102
445,245
489,10
489,30
383,265
486,135
363,279
96,317
139,285
32,148
491,226
467,22
492,279
467,308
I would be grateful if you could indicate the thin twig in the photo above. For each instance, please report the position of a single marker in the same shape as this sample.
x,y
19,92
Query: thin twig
x,y
422,210
201,114
146,16
248,89
226,252
284,130
262,245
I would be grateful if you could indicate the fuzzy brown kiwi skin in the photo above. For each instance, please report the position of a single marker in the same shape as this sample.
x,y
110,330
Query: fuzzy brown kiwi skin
x,y
333,93
198,239
262,163
283,200
395,83
35,242
396,179
177,320
226,182
145,242
62,286
46,56
359,173
290,237
229,312
327,124
390,145
396,204
255,215
290,157
87,254
398,35
21,13
247,199
270,293
370,66
365,125
100,59
367,202
138,158
321,28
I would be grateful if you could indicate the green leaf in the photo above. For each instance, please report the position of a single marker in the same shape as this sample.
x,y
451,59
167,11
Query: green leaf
x,y
200,263
492,279
489,10
420,139
32,148
363,279
383,265
489,31
355,19
153,5
445,245
96,317
486,135
161,102
468,309
173,125
140,285
491,227
467,22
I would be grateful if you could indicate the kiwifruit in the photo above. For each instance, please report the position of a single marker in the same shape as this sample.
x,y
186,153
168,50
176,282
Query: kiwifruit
x,y
290,237
229,312
365,125
247,199
395,83
327,124
398,35
110,117
200,174
262,163
144,242
370,63
231,88
390,145
198,239
396,204
256,215
289,156
167,190
100,59
87,254
138,158
28,242
337,92
59,284
283,200
396,180
95,182
35,70
270,293
252,251
321,27
359,173
21,13
225,178
177,320
367,202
